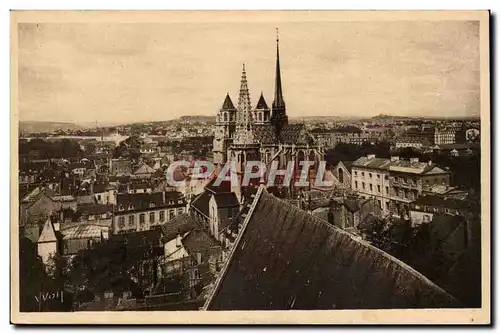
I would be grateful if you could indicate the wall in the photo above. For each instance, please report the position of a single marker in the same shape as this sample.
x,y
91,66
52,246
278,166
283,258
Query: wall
x,y
419,217
379,178
177,210
46,250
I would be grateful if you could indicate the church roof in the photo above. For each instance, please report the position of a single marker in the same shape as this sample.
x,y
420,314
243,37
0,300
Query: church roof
x,y
261,104
293,133
228,104
265,134
48,233
285,258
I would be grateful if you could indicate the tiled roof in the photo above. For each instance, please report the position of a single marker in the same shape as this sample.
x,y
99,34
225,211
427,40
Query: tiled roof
x,y
226,200
261,104
228,104
403,166
293,133
200,203
198,241
83,231
433,200
180,224
264,133
287,259
378,163
148,200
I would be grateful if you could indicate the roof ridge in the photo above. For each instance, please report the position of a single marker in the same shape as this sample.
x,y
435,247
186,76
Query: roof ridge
x,y
222,274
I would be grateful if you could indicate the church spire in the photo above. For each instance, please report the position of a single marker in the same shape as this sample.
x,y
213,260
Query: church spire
x,y
244,97
278,116
243,134
278,91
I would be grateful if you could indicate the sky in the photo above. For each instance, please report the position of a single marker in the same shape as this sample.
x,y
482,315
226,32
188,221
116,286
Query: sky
x,y
132,72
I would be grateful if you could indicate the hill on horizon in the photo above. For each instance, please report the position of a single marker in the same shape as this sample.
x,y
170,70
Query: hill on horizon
x,y
46,126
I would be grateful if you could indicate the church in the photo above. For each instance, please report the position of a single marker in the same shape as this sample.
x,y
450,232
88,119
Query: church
x,y
246,133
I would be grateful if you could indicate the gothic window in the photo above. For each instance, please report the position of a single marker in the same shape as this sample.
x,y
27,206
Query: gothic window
x,y
225,117
341,175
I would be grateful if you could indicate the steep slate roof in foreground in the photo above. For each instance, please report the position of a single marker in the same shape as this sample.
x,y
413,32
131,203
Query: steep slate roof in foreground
x,y
287,259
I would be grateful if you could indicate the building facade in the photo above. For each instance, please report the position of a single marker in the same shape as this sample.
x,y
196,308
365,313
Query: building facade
x,y
143,211
395,183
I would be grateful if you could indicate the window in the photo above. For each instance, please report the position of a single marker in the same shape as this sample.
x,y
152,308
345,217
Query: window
x,y
356,184
363,185
355,173
426,218
341,175
99,197
121,222
152,217
162,216
142,218
131,220
378,176
386,177
180,211
370,175
171,214
378,188
371,187
363,174
387,190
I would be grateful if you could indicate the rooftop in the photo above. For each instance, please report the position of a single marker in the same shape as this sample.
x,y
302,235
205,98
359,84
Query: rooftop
x,y
285,258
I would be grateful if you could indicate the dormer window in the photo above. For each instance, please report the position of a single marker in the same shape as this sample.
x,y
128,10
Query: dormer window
x,y
130,207
120,208
152,205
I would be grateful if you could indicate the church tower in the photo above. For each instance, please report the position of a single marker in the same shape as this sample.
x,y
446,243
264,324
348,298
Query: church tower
x,y
225,124
262,113
278,117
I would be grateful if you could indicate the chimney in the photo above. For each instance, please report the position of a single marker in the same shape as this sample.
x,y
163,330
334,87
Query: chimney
x,y
178,241
394,158
371,156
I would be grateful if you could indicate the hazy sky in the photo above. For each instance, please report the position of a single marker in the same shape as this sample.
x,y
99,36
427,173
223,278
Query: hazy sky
x,y
141,71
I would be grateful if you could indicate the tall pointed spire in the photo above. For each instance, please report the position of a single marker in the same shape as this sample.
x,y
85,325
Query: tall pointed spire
x,y
278,91
244,97
278,116
243,134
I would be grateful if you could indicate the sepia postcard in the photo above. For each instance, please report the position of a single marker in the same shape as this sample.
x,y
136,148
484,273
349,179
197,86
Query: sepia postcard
x,y
250,167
